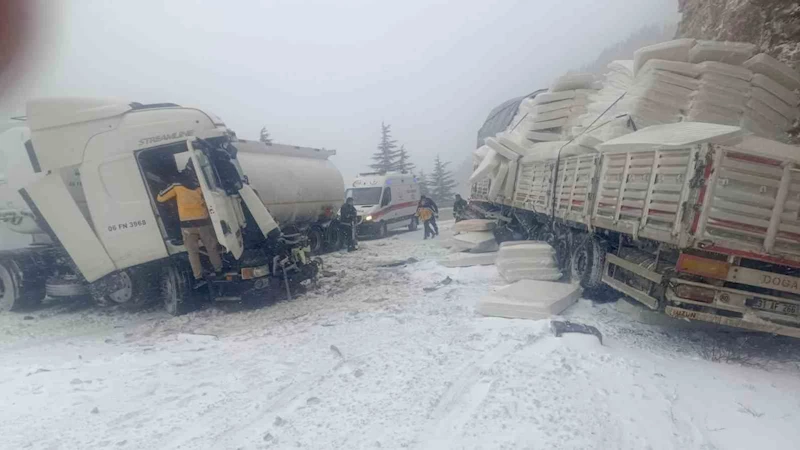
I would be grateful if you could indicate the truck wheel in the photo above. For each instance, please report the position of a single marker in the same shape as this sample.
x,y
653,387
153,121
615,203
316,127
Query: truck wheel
x,y
587,263
414,224
133,287
383,230
315,240
19,289
176,289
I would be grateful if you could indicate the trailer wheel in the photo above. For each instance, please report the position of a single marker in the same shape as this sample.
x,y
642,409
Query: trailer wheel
x,y
18,289
134,288
315,240
176,289
587,263
414,224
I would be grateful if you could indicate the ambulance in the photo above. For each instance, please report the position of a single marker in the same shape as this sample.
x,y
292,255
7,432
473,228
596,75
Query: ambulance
x,y
385,202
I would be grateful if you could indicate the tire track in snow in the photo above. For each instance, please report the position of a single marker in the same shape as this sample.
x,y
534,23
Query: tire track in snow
x,y
458,403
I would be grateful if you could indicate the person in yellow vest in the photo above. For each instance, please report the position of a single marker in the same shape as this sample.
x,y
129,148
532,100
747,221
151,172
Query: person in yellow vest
x,y
425,214
196,225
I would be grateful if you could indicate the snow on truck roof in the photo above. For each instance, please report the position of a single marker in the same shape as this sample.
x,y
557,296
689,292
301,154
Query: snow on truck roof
x,y
672,136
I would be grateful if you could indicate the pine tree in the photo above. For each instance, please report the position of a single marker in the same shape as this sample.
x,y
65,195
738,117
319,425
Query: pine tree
x,y
265,136
422,179
403,164
441,182
386,156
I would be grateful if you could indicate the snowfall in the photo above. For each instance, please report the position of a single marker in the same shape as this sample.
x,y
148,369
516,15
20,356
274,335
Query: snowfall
x,y
370,359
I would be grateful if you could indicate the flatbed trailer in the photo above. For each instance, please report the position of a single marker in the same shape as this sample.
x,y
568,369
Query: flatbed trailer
x,y
699,221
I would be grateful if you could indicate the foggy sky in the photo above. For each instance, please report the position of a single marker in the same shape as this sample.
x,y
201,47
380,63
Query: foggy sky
x,y
326,73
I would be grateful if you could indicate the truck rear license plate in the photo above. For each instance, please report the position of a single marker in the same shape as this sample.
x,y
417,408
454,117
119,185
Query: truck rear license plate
x,y
773,306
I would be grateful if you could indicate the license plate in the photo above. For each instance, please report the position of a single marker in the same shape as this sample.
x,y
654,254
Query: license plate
x,y
773,306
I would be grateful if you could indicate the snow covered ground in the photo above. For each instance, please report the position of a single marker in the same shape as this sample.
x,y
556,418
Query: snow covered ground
x,y
371,360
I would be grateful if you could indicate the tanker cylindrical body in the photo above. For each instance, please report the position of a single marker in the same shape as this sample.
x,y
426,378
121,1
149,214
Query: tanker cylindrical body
x,y
298,185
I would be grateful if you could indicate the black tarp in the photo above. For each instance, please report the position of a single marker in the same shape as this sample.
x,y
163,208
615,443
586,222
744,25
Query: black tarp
x,y
501,117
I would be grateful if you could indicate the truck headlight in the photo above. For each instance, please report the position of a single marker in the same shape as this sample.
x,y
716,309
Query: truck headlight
x,y
368,218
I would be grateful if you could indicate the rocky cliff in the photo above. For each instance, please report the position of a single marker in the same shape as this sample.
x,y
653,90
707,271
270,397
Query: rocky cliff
x,y
773,25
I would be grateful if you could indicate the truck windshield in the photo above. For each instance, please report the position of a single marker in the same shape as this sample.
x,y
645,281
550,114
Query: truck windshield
x,y
364,196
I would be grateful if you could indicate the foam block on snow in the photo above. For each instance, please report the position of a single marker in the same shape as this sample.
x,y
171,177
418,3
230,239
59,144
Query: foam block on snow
x,y
476,241
468,259
778,71
474,225
726,52
675,50
529,299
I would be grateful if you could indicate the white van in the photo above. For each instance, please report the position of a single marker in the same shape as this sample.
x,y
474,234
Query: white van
x,y
385,201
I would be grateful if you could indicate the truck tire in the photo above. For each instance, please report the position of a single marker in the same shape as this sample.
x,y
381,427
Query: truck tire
x,y
21,287
176,289
64,287
315,240
133,288
587,263
383,230
414,224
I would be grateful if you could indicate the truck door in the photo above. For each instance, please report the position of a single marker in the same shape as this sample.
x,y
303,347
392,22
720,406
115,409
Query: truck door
x,y
225,210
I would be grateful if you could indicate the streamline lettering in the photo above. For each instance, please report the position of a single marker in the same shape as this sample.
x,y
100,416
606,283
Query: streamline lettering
x,y
166,137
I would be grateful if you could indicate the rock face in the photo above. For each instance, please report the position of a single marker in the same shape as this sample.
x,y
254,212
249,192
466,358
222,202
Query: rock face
x,y
772,25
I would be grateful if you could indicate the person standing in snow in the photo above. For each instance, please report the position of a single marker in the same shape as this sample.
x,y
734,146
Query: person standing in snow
x,y
426,211
459,208
428,202
348,216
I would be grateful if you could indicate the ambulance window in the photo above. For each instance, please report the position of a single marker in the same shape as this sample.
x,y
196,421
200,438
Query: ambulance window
x,y
387,196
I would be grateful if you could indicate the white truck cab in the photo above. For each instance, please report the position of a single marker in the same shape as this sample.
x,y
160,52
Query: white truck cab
x,y
109,232
385,201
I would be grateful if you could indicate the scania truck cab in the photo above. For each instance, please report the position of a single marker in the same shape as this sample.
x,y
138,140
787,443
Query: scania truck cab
x,y
111,235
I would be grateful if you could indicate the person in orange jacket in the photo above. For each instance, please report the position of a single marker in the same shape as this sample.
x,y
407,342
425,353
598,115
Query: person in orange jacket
x,y
196,224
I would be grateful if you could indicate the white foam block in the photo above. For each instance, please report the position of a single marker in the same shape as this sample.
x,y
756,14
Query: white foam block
x,y
543,136
675,50
778,71
468,259
726,52
572,81
502,149
468,225
477,241
725,69
681,68
771,86
529,299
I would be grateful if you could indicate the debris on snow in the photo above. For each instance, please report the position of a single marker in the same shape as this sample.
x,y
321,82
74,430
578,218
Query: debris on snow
x,y
559,327
438,285
399,263
529,299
